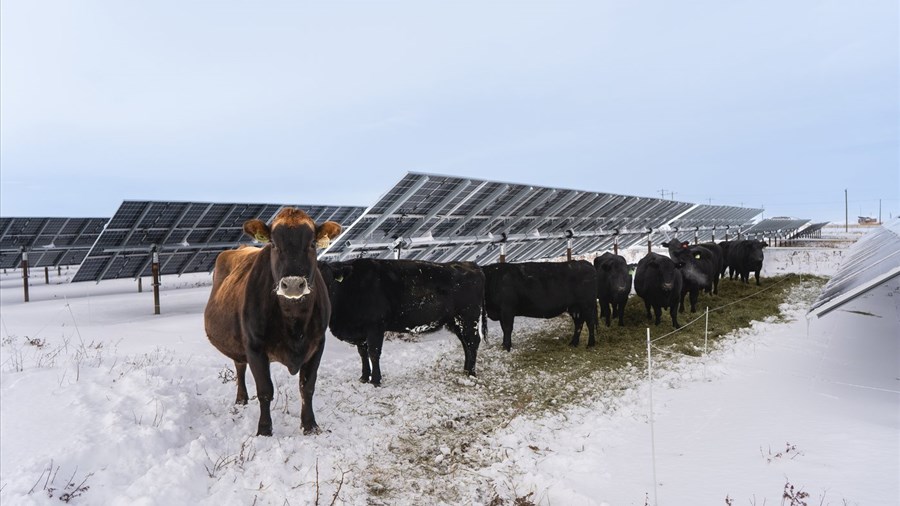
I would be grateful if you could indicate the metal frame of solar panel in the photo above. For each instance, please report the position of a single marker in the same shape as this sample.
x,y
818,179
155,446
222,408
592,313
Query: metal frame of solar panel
x,y
188,235
446,218
707,222
50,242
873,260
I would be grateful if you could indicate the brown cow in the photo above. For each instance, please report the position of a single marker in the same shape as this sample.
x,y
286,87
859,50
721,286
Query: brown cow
x,y
270,304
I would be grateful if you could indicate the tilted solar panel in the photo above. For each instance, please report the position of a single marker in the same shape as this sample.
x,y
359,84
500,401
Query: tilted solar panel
x,y
50,242
872,260
188,235
445,218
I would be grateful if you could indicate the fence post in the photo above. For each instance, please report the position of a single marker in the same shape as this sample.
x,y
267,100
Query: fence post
x,y
154,268
706,342
25,273
652,435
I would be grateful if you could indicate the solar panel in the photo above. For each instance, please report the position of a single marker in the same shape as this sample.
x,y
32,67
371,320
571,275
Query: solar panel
x,y
812,230
446,218
50,242
188,235
707,223
776,228
871,261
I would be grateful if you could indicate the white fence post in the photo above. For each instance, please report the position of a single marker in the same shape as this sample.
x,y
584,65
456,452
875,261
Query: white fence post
x,y
652,435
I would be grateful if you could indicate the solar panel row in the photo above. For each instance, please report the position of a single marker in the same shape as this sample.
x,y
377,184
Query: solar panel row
x,y
187,235
871,261
446,218
50,242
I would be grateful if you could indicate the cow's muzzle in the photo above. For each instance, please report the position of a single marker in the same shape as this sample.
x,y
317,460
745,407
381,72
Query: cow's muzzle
x,y
292,287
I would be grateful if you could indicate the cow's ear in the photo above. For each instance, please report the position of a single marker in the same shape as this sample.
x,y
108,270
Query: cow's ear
x,y
685,244
326,232
765,244
665,244
258,230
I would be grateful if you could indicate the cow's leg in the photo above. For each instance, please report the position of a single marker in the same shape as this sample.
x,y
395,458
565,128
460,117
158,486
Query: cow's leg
x,y
657,310
259,367
647,305
695,292
756,273
592,321
375,340
673,311
578,321
467,333
240,369
604,311
506,323
363,351
716,285
308,374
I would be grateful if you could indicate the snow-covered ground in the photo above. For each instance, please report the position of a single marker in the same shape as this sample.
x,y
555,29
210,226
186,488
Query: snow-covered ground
x,y
104,401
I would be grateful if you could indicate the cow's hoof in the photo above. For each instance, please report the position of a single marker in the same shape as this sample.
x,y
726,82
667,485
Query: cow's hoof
x,y
264,431
363,379
591,345
471,373
314,430
574,344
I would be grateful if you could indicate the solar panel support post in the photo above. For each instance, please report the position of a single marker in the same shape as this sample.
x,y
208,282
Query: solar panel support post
x,y
46,275
502,253
154,267
696,236
25,272
616,242
140,284
649,241
569,235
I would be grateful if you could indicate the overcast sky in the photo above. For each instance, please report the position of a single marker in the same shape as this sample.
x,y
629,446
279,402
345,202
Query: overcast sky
x,y
765,103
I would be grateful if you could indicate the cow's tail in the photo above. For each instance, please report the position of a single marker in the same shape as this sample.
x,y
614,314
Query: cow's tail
x,y
484,332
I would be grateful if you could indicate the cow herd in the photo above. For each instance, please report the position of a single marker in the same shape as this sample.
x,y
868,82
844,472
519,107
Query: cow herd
x,y
274,303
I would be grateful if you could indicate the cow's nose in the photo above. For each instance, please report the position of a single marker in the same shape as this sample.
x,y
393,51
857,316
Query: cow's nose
x,y
667,286
293,287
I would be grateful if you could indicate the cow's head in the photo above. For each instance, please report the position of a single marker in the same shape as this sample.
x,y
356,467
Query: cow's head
x,y
614,271
667,270
334,274
756,250
292,237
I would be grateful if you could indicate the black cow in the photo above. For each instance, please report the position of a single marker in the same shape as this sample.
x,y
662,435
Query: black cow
x,y
269,304
698,270
746,256
541,290
370,297
658,281
719,255
613,286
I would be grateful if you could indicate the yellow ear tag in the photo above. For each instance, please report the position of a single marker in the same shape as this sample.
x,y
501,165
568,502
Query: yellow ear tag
x,y
697,256
261,238
324,242
339,279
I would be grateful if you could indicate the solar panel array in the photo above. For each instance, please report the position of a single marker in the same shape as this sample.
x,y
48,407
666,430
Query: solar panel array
x,y
187,235
707,223
50,242
776,227
812,230
872,260
446,218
